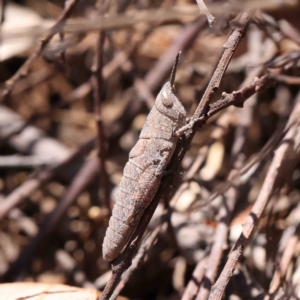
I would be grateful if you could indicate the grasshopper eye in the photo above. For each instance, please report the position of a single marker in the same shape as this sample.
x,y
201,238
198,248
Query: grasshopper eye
x,y
167,101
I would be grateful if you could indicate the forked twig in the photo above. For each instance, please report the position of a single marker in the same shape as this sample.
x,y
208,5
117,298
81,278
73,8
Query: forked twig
x,y
240,25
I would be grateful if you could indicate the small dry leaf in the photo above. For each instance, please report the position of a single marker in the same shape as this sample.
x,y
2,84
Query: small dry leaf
x,y
42,291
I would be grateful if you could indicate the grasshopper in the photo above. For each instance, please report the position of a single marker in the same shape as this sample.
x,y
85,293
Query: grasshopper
x,y
147,162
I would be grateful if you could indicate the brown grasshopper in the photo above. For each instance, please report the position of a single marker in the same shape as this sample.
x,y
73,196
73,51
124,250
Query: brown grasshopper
x,y
146,165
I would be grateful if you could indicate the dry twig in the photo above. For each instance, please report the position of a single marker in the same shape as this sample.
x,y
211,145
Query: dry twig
x,y
100,141
286,259
204,10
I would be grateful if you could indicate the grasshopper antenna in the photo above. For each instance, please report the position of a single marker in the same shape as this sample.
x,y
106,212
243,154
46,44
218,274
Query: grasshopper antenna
x,y
174,69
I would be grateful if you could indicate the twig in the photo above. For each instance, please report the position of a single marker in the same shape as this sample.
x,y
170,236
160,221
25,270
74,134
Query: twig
x,y
18,161
124,260
62,53
149,241
204,10
191,290
192,287
268,24
255,40
152,79
220,239
238,98
2,8
287,256
33,80
266,191
2,17
100,141
278,29
247,286
289,31
24,69
291,80
241,22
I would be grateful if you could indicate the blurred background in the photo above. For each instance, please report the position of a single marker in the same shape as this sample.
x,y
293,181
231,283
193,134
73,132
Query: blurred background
x,y
57,183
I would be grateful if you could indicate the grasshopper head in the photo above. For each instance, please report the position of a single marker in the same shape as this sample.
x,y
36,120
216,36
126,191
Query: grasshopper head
x,y
168,104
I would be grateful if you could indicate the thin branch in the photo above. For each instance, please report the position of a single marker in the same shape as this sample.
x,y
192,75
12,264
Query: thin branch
x,y
290,31
220,240
291,80
30,161
255,46
247,286
191,289
33,80
287,256
100,141
240,25
204,10
137,260
2,10
237,98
